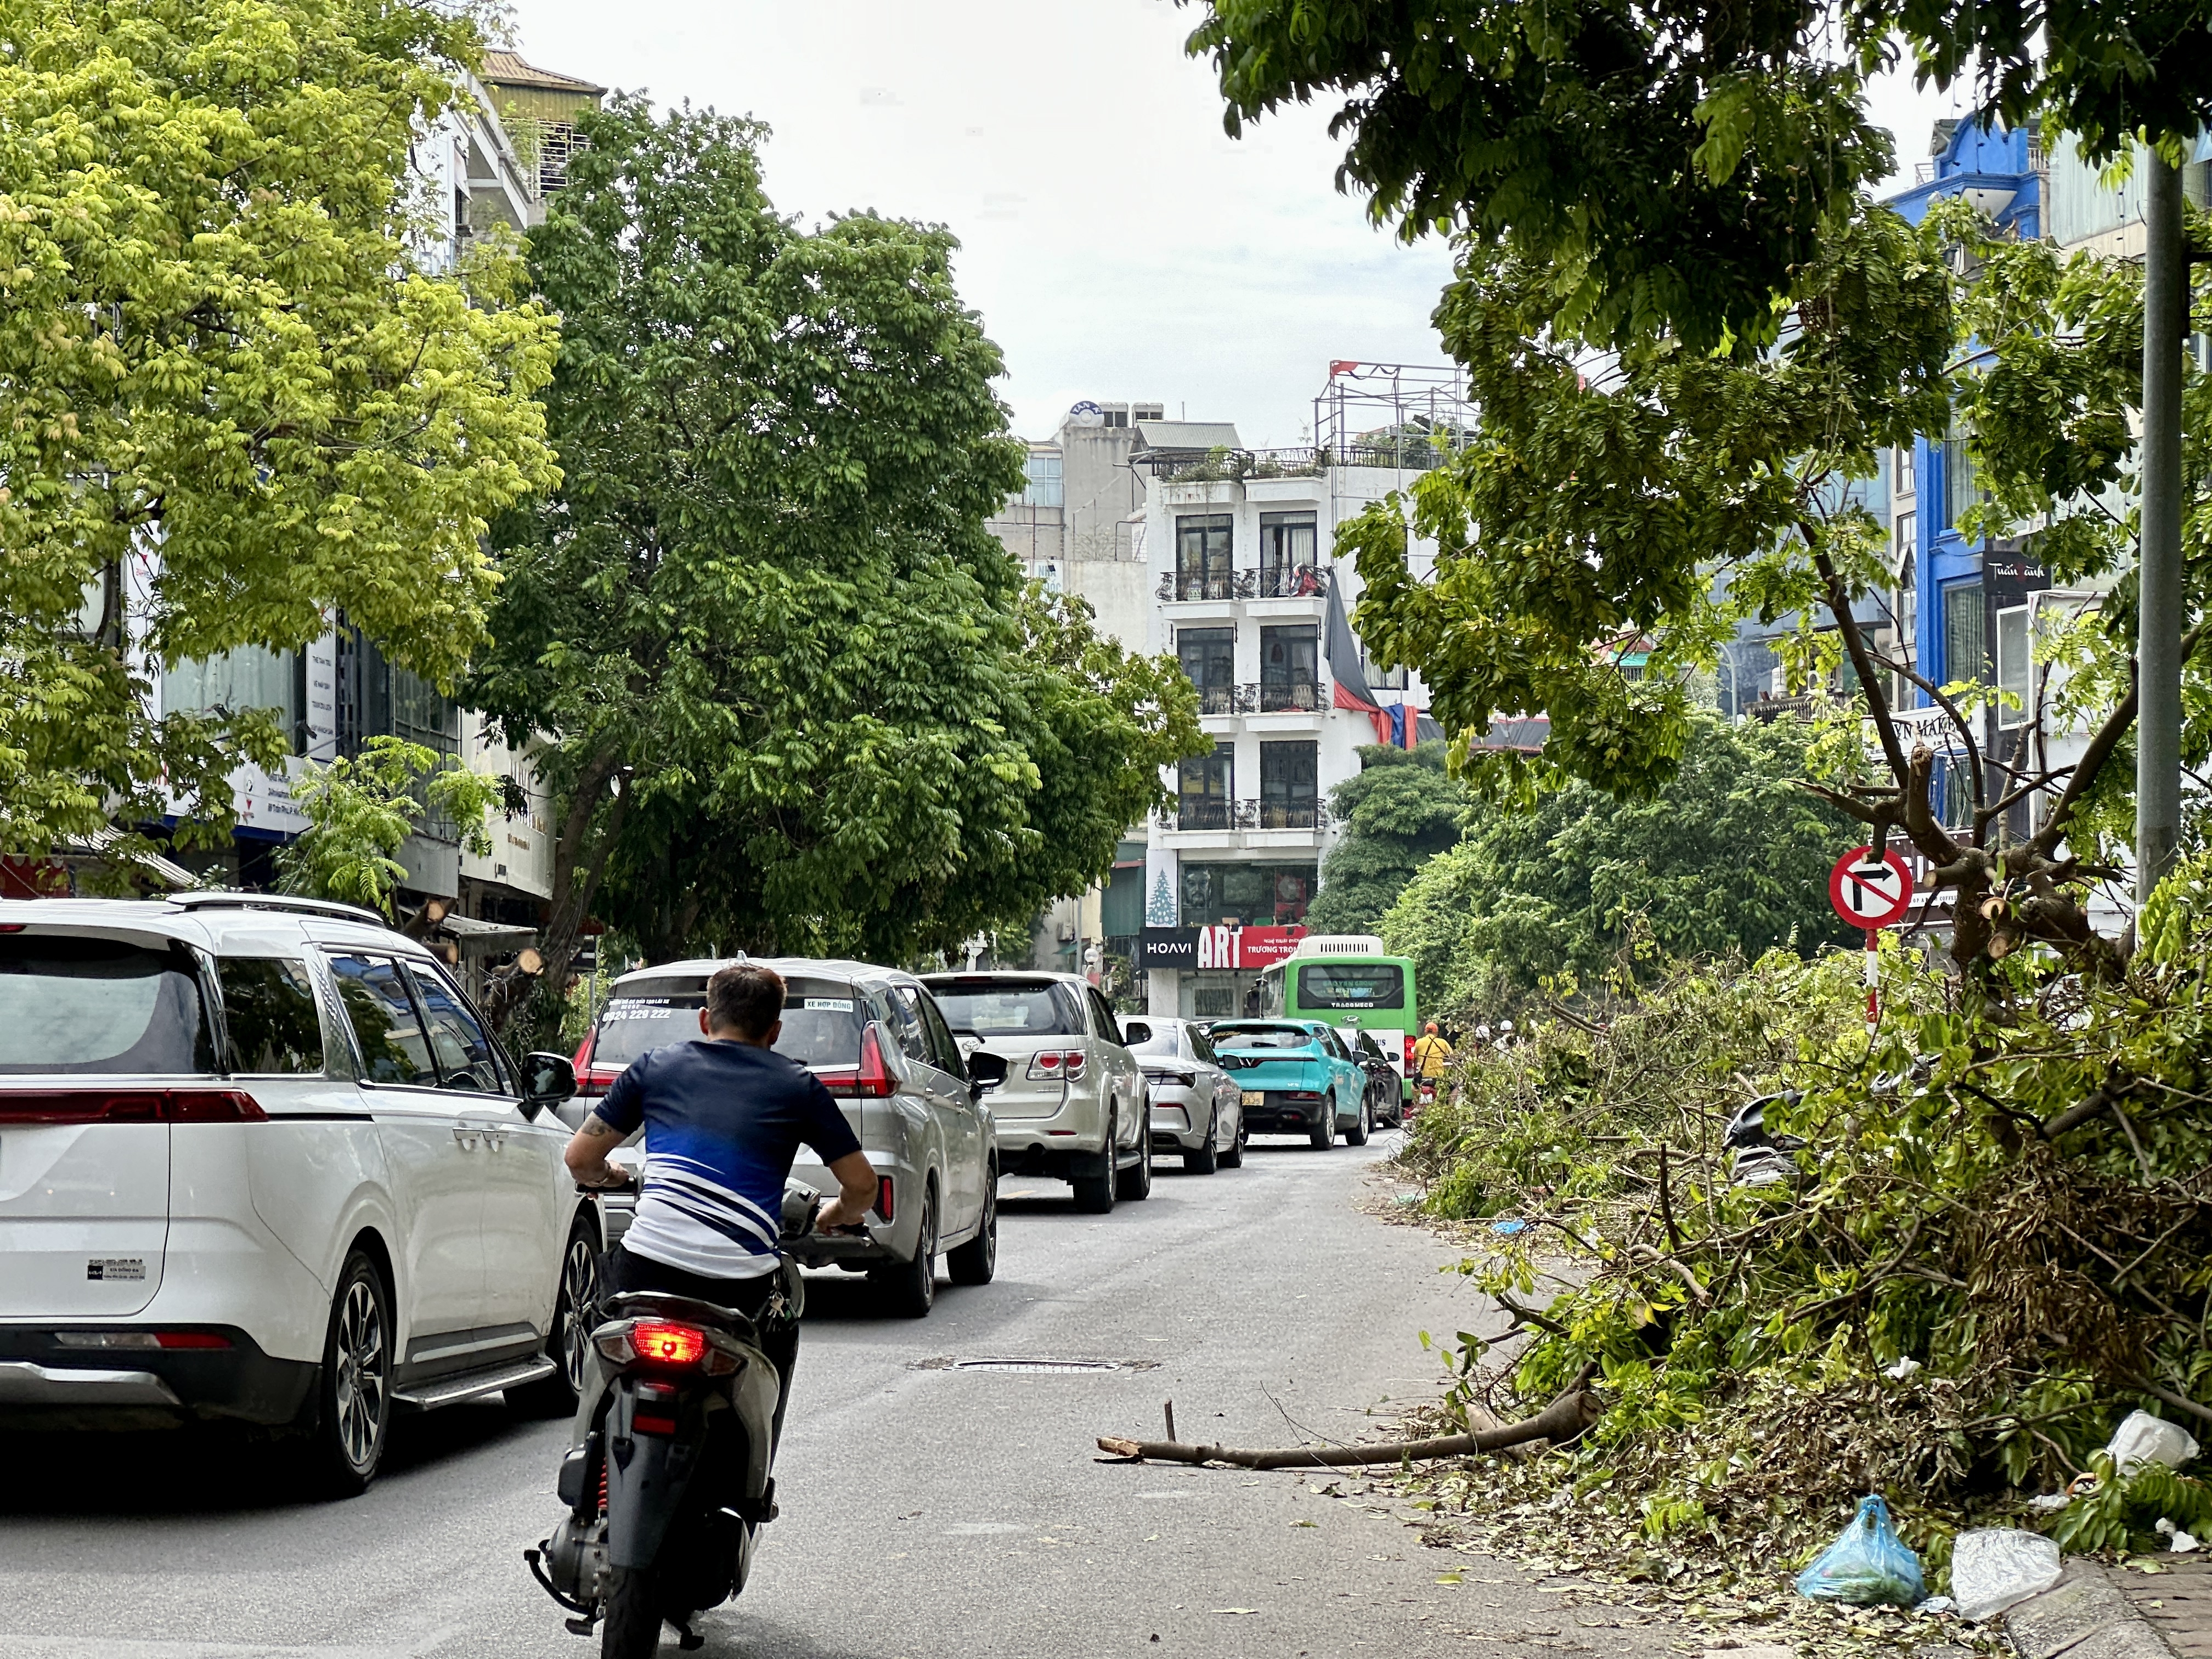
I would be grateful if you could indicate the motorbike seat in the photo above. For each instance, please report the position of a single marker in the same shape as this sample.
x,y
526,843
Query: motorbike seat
x,y
663,1304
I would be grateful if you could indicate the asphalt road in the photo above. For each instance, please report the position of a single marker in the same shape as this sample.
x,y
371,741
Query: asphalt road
x,y
929,1511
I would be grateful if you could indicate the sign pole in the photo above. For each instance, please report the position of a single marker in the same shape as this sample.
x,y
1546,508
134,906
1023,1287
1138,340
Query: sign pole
x,y
1873,980
1870,888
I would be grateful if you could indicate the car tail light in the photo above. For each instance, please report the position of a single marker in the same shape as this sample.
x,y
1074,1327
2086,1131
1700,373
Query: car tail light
x,y
1301,1094
1056,1065
871,1077
885,1197
129,1106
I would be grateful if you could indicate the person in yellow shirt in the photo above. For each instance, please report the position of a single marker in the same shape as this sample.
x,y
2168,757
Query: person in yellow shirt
x,y
1430,1053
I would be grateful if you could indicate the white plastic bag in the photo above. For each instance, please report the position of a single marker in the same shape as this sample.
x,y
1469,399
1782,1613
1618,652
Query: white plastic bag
x,y
2143,1438
1995,1567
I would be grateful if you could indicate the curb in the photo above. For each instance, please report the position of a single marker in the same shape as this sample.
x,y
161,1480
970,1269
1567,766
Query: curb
x,y
2084,1616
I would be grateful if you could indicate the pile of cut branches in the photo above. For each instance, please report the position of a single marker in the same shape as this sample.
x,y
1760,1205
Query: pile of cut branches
x,y
1995,1241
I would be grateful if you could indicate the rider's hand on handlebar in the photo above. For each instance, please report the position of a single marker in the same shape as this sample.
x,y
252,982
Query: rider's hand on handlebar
x,y
619,1180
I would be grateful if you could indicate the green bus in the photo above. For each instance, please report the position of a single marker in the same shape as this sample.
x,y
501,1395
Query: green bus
x,y
1348,980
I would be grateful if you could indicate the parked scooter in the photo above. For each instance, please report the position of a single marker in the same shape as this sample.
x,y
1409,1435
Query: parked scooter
x,y
672,1483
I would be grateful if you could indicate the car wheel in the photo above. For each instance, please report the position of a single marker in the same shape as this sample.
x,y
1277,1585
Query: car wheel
x,y
974,1263
1135,1183
1094,1193
1324,1133
569,1344
353,1395
1232,1155
910,1288
1208,1157
1357,1134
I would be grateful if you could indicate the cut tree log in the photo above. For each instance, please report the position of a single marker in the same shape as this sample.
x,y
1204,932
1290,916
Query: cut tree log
x,y
1563,1419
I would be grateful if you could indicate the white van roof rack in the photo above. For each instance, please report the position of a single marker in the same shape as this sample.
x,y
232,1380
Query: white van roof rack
x,y
224,900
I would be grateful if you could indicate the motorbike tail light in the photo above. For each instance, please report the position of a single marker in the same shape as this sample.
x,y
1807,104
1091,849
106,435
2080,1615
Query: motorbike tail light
x,y
884,1198
644,1424
129,1106
662,1342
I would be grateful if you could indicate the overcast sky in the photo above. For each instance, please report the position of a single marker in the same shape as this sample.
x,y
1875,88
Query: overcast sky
x,y
1118,244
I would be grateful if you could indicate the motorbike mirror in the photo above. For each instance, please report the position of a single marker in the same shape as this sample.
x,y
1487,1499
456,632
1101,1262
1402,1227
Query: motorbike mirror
x,y
986,1070
547,1080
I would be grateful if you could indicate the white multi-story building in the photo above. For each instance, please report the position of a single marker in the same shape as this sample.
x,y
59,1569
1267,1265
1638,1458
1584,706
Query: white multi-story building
x,y
1249,595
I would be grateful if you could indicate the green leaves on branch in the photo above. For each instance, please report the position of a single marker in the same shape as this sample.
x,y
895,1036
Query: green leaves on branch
x,y
362,809
1398,812
231,397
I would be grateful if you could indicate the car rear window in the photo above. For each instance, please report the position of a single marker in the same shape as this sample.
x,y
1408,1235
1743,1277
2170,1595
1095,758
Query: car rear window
x,y
1161,1041
990,1008
269,1014
69,1004
1262,1036
823,1019
645,1015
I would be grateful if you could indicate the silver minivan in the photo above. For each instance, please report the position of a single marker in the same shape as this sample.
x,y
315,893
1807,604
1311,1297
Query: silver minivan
x,y
880,1044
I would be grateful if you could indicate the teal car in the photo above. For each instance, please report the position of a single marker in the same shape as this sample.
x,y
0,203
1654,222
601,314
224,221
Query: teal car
x,y
1299,1079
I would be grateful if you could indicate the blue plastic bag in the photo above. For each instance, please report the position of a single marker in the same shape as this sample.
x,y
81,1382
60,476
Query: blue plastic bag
x,y
1868,1564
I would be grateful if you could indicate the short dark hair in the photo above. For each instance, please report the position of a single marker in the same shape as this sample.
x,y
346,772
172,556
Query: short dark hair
x,y
746,997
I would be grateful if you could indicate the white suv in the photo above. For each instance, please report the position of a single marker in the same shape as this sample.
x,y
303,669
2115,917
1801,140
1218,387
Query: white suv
x,y
1073,1105
259,1160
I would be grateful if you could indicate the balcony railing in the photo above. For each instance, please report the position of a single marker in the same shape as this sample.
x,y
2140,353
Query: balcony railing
x,y
1208,812
1401,449
1290,697
1302,581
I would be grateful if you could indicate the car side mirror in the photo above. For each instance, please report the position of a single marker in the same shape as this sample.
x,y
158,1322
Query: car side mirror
x,y
547,1080
986,1071
1135,1031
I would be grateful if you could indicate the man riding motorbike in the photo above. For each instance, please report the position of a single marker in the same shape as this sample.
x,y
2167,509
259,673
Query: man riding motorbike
x,y
724,1117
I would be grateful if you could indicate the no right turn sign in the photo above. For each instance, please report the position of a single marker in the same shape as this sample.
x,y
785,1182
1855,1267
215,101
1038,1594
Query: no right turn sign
x,y
1869,888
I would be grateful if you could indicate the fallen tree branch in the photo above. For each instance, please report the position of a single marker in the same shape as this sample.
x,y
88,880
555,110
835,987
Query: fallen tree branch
x,y
1564,1418
2181,1401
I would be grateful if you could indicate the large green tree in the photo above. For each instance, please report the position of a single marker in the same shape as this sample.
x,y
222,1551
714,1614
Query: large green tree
x,y
232,399
1729,854
790,694
1399,810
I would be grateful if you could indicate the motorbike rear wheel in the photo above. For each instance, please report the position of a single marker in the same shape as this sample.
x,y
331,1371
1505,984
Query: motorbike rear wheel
x,y
631,1628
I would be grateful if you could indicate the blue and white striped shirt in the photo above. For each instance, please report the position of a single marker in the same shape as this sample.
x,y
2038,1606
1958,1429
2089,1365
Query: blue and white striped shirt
x,y
723,1122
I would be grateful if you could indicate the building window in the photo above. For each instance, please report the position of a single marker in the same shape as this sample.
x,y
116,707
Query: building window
x,y
247,677
1383,679
1203,544
1966,643
1907,532
1245,895
1116,416
1287,567
1904,473
1147,412
1290,677
1208,656
1042,485
2015,666
1289,780
1206,789
1960,490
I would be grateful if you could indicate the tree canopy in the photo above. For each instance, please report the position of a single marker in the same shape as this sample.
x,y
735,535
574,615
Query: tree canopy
x,y
1728,855
233,398
1399,810
791,694
1672,166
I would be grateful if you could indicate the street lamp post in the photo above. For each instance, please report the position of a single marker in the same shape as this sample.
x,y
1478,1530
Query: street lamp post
x,y
2158,649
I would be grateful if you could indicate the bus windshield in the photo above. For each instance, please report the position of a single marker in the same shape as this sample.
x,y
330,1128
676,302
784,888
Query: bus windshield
x,y
1351,984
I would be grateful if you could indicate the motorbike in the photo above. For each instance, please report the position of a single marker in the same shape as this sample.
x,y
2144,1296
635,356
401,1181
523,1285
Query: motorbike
x,y
670,1485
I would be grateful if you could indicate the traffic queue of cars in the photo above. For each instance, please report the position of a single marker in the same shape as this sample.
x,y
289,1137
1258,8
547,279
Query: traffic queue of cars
x,y
260,1160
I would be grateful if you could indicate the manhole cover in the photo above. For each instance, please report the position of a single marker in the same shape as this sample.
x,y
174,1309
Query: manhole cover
x,y
1035,1367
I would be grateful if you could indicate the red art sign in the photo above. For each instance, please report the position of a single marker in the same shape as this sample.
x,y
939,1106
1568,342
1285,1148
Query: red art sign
x,y
1247,947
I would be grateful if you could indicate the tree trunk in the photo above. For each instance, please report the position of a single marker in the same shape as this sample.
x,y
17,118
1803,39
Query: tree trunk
x,y
581,846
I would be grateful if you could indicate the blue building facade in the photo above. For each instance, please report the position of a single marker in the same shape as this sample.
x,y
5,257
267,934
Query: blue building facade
x,y
1956,589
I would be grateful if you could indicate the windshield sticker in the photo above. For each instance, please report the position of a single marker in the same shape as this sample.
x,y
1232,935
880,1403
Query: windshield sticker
x,y
830,1004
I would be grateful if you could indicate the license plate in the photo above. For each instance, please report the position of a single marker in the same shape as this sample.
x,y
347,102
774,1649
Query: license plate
x,y
1256,1097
